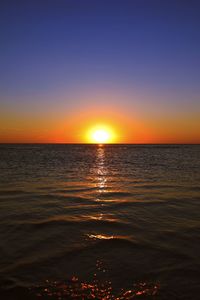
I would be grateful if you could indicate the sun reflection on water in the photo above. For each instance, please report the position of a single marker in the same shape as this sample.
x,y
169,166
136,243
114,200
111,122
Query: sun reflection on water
x,y
100,236
97,288
101,170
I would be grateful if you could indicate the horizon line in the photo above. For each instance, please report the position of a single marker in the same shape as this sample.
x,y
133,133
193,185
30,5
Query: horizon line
x,y
63,143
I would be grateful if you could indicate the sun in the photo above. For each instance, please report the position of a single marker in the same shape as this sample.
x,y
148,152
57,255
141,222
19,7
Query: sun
x,y
100,135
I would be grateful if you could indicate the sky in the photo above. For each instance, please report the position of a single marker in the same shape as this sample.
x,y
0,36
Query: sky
x,y
67,66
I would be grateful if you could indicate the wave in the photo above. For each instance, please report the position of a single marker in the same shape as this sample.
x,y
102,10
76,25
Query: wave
x,y
80,222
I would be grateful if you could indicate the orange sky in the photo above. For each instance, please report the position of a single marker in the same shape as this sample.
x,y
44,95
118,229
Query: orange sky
x,y
73,128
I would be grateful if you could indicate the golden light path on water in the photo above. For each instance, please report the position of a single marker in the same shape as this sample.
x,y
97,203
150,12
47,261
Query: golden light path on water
x,y
101,169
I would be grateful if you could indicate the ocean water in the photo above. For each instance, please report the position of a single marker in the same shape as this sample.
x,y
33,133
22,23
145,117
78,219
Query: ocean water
x,y
99,222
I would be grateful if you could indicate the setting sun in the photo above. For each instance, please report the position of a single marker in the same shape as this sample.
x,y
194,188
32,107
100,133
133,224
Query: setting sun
x,y
101,135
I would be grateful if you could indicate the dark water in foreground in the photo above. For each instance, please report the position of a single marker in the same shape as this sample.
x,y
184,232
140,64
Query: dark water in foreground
x,y
99,222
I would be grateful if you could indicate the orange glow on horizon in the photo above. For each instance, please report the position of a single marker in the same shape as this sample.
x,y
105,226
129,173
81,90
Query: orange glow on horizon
x,y
97,125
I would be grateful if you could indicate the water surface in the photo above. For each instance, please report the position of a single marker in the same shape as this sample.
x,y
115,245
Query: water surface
x,y
100,221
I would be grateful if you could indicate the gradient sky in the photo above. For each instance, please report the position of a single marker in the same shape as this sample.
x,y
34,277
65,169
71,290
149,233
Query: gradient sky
x,y
131,64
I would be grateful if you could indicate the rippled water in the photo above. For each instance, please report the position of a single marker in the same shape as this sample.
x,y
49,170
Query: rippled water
x,y
89,221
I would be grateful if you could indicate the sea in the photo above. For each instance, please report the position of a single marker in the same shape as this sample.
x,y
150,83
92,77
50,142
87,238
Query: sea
x,y
99,221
